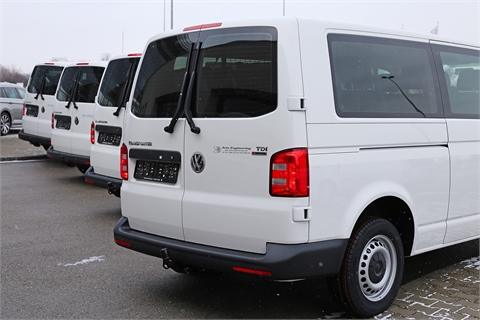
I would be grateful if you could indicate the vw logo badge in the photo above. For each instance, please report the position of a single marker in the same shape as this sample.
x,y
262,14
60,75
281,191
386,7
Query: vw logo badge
x,y
76,120
43,109
197,162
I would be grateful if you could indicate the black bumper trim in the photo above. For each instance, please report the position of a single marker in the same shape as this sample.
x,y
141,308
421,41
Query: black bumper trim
x,y
67,157
33,139
103,181
284,261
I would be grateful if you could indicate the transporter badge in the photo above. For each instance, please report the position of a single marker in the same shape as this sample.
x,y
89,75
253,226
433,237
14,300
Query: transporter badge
x,y
197,162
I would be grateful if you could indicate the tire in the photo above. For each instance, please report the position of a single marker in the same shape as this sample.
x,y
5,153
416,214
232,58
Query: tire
x,y
5,123
83,168
372,269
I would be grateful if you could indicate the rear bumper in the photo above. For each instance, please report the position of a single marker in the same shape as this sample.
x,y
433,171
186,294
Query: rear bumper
x,y
35,140
112,184
283,261
68,157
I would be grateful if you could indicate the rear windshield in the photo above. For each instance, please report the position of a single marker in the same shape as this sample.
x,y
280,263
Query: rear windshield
x,y
80,84
44,80
235,74
114,86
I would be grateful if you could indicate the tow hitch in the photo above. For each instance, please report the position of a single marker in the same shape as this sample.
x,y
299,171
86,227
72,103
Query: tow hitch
x,y
169,264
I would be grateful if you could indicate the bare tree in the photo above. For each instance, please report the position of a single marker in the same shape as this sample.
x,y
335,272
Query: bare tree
x,y
13,74
59,59
105,56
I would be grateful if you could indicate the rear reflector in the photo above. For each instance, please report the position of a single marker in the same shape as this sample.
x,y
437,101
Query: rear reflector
x,y
289,173
124,162
203,26
253,271
89,181
122,243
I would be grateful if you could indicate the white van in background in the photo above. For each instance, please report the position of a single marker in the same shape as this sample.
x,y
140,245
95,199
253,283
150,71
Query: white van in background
x,y
293,148
73,113
106,128
39,101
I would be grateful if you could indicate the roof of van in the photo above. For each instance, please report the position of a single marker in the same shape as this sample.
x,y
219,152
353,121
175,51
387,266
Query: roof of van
x,y
323,24
127,55
88,63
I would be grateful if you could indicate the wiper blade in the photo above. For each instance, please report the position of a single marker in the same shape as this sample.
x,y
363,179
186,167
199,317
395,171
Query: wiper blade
x,y
403,93
181,98
42,87
73,92
188,98
127,88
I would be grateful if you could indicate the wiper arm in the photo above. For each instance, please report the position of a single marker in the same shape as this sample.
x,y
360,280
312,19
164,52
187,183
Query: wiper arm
x,y
188,98
181,98
42,87
126,89
73,92
403,93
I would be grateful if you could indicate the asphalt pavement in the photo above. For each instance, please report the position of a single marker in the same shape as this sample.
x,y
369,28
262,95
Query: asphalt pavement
x,y
449,289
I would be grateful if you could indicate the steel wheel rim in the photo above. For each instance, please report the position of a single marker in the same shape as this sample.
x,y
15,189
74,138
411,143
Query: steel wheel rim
x,y
377,268
5,123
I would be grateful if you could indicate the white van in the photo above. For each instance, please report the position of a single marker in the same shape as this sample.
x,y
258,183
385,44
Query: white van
x,y
107,124
73,113
292,148
39,101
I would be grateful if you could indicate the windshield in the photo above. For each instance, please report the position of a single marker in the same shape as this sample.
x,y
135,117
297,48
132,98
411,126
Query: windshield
x,y
47,74
235,74
87,79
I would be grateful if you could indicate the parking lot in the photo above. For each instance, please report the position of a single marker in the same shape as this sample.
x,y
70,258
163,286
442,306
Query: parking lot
x,y
59,260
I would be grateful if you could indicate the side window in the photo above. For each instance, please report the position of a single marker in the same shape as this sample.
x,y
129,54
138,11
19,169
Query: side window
x,y
383,78
460,81
11,93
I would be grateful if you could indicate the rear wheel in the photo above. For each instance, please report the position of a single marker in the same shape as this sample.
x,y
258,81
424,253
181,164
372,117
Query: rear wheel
x,y
372,269
5,123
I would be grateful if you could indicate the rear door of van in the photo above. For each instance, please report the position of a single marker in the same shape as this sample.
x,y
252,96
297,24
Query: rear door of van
x,y
40,99
242,105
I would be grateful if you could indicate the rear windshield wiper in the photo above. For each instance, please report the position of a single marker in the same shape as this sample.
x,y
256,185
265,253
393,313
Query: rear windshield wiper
x,y
42,87
188,98
403,93
73,92
181,98
127,88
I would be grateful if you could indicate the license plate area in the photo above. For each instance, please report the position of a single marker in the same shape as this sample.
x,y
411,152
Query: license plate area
x,y
156,165
63,122
111,139
157,171
31,110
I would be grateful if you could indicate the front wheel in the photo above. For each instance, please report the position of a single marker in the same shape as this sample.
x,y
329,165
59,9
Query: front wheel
x,y
5,123
372,269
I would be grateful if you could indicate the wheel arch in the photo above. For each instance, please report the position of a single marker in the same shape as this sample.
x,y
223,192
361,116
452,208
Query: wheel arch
x,y
397,212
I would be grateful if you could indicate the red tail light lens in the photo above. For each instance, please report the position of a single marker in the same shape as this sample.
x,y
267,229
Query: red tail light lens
x,y
124,162
289,173
24,110
53,120
92,133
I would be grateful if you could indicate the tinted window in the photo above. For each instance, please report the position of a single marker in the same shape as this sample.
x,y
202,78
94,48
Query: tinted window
x,y
383,78
460,81
47,76
236,74
87,80
11,92
114,86
160,77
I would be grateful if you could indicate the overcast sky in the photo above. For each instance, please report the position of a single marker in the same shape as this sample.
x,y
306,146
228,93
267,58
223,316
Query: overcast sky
x,y
35,31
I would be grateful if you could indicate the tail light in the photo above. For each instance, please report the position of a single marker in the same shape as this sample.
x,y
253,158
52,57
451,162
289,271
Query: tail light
x,y
289,173
24,110
53,120
124,162
92,133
